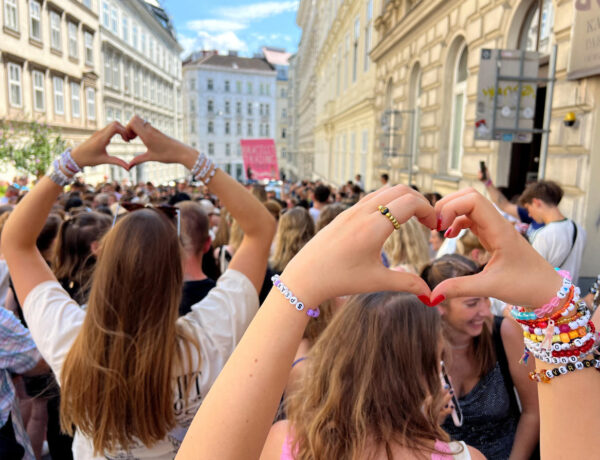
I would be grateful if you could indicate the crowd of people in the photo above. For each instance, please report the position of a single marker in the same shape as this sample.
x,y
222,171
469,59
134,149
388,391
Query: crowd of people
x,y
213,319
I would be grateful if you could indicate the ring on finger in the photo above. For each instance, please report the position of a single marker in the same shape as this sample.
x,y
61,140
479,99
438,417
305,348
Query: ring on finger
x,y
387,213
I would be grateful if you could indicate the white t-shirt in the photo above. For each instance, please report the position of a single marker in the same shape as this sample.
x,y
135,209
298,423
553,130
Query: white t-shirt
x,y
314,213
218,322
554,242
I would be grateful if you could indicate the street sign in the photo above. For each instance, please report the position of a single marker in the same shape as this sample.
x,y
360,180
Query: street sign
x,y
506,95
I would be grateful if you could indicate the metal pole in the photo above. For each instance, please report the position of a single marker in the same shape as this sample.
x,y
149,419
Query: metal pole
x,y
548,114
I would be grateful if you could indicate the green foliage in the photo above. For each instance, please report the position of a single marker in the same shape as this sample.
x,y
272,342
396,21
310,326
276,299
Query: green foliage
x,y
29,146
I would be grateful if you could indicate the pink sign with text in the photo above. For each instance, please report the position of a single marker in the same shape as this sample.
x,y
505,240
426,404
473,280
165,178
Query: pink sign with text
x,y
260,158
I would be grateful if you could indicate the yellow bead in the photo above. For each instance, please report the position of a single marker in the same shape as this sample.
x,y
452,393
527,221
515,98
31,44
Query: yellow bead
x,y
555,338
564,337
582,331
573,334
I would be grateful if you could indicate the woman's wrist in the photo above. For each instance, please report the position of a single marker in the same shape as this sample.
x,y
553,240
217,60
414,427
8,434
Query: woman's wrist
x,y
187,156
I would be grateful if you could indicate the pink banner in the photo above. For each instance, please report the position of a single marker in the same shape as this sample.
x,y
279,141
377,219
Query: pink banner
x,y
260,159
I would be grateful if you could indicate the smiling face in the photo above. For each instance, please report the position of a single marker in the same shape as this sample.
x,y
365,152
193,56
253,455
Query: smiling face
x,y
435,240
467,315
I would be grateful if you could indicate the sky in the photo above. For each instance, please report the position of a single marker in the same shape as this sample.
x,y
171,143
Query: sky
x,y
241,25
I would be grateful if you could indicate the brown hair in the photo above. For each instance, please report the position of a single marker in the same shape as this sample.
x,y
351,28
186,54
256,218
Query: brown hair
x,y
548,191
296,227
223,230
274,208
453,266
117,379
373,376
328,213
408,246
194,226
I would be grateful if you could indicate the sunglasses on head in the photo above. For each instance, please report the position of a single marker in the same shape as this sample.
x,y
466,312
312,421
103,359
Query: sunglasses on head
x,y
171,212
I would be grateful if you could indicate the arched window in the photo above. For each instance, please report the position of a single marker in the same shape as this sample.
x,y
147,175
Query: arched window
x,y
459,99
415,105
533,36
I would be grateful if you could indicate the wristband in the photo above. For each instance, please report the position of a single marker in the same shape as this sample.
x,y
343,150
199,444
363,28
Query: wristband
x,y
313,313
488,182
58,176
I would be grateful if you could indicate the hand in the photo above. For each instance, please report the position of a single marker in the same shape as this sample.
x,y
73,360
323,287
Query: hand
x,y
93,151
160,147
345,257
447,406
481,177
516,273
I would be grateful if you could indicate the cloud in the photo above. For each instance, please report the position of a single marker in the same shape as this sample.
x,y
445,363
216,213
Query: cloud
x,y
223,42
259,10
215,25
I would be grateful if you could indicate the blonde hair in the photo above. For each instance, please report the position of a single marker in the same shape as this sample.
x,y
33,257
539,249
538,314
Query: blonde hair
x,y
223,230
469,242
408,246
372,376
296,227
117,378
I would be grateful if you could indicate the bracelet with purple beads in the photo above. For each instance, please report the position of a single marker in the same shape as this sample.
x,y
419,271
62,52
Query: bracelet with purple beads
x,y
69,163
313,313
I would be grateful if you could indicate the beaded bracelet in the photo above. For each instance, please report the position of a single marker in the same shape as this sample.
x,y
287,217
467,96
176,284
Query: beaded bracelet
x,y
546,375
560,294
57,175
68,162
313,313
530,317
198,164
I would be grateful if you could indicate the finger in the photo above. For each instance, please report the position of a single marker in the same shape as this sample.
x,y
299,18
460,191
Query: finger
x,y
114,128
138,127
477,285
140,159
389,280
117,161
410,205
384,196
459,224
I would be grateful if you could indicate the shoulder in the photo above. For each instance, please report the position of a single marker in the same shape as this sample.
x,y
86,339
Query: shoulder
x,y
274,445
475,454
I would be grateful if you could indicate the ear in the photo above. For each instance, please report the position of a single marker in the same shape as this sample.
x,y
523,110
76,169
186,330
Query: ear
x,y
94,247
442,309
207,245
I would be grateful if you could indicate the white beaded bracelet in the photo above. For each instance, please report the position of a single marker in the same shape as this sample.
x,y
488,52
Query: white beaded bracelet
x,y
313,313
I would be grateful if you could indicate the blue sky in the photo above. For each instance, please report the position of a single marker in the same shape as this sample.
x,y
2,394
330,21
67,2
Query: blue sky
x,y
241,25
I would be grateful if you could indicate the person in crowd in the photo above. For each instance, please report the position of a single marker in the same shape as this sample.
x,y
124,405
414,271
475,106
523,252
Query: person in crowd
x,y
482,359
328,213
432,197
75,252
560,241
236,416
469,246
223,231
436,239
224,253
296,227
358,181
132,374
385,180
320,198
214,215
407,248
259,192
274,208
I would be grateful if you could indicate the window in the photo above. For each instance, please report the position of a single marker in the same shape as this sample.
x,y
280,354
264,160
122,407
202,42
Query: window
x,y
227,149
211,148
153,90
530,39
35,20
210,106
261,110
59,95
14,85
105,14
90,96
238,108
144,48
416,99
227,86
88,39
116,80
250,129
88,3
268,109
55,37
249,109
136,81
107,68
192,106
249,87
109,114
11,15
355,55
211,127
227,127
268,87
283,113
283,133
114,20
134,35
125,28
210,84
368,27
338,72
238,86
261,90
145,86
72,32
459,100
267,130
193,126
39,104
282,93
346,59
192,84
75,106
238,129
127,76
227,107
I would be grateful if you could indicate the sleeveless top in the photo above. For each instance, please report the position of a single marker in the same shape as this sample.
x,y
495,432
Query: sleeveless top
x,y
464,454
490,414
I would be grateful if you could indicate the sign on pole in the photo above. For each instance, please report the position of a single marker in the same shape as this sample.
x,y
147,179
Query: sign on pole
x,y
506,95
584,60
260,158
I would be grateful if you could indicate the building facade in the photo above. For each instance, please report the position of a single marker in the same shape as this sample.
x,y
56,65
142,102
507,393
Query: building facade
x,y
228,98
50,65
427,63
141,74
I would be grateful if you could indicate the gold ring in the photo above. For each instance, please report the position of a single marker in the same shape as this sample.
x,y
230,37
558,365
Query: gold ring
x,y
386,212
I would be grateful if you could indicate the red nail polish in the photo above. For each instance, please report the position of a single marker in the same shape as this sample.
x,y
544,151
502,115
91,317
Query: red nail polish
x,y
438,300
448,232
425,299
439,224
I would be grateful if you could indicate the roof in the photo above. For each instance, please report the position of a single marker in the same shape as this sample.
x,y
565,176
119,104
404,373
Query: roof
x,y
161,16
236,62
276,56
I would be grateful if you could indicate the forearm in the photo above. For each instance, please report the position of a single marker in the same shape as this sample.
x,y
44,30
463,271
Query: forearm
x,y
500,200
527,436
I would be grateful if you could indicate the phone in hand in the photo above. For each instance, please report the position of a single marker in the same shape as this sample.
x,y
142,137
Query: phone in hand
x,y
457,416
483,169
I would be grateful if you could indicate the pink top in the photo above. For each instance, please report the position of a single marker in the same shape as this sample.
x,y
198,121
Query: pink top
x,y
286,450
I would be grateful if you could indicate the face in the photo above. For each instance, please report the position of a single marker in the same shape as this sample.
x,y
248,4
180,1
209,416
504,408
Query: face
x,y
435,240
533,209
467,314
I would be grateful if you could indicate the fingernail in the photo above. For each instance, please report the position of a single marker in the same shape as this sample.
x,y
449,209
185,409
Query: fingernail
x,y
439,224
425,299
438,300
448,232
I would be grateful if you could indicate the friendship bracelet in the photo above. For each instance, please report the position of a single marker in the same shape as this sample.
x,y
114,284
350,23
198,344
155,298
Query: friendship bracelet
x,y
561,294
530,317
57,175
313,313
207,179
196,168
69,163
546,375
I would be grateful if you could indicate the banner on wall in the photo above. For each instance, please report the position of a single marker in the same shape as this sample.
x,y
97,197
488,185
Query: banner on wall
x,y
584,60
260,159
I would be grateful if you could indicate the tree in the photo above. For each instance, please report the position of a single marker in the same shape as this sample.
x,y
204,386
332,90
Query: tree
x,y
29,146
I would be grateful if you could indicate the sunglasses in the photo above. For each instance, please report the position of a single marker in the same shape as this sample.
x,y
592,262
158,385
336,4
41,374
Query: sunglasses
x,y
173,213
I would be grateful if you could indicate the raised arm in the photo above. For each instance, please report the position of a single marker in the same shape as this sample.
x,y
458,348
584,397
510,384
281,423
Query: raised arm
x,y
499,199
236,415
254,219
26,265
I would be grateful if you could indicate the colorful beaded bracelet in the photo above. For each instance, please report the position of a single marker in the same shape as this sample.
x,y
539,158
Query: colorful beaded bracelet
x,y
313,313
560,294
546,375
528,317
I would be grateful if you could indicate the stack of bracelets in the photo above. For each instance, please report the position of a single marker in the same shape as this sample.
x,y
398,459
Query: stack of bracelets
x,y
64,169
562,336
204,169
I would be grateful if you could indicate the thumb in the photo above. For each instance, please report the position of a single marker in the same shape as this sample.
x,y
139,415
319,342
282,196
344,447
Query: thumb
x,y
117,161
463,286
140,159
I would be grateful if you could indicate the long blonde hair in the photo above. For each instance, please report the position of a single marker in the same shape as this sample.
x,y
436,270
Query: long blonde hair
x,y
408,246
372,377
117,378
296,227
